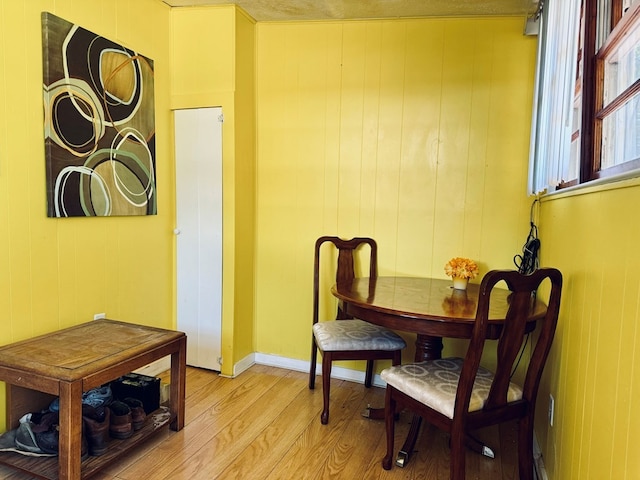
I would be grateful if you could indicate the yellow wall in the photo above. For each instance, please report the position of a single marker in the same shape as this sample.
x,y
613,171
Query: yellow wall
x,y
213,65
414,132
60,272
594,374
245,189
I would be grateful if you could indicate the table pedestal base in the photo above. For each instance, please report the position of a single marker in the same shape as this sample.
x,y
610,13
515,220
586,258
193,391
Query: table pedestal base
x,y
409,444
427,348
404,455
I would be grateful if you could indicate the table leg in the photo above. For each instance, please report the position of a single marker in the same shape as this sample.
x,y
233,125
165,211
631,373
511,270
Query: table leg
x,y
70,431
427,348
178,384
478,446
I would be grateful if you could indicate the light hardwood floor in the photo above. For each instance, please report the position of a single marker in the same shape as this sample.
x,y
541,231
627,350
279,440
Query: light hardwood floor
x,y
265,424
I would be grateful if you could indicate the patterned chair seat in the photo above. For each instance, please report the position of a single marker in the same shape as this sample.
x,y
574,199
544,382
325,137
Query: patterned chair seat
x,y
434,383
347,335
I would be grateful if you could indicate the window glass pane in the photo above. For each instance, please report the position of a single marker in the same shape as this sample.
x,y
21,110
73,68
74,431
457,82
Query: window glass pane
x,y
576,121
621,134
604,22
574,158
622,66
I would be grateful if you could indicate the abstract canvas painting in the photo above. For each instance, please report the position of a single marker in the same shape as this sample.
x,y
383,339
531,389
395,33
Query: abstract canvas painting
x,y
99,124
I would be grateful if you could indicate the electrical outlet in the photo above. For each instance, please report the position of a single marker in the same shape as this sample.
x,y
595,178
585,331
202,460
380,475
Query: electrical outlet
x,y
98,316
552,407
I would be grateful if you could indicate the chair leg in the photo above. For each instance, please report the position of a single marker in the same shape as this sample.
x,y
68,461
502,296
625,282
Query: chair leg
x,y
397,357
326,386
390,425
368,377
312,367
525,448
457,461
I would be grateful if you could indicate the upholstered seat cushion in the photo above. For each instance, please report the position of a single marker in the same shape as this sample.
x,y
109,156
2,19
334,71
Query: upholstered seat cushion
x,y
355,334
434,384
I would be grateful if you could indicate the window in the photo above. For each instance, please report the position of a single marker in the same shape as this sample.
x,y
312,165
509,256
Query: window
x,y
617,116
557,98
592,129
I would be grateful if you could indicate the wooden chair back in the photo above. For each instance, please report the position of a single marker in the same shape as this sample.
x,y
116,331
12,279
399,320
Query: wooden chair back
x,y
345,270
502,401
512,339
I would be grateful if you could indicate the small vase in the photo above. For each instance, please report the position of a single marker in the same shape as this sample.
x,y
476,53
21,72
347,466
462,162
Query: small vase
x,y
460,283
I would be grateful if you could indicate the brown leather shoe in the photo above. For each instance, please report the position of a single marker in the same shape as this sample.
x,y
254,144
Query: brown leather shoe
x,y
138,415
96,423
120,424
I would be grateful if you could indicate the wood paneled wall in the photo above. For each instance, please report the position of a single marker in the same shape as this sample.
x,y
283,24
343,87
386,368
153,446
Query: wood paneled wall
x,y
56,273
414,132
592,236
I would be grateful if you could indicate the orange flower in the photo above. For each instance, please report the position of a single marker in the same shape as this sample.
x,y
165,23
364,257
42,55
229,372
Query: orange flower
x,y
460,267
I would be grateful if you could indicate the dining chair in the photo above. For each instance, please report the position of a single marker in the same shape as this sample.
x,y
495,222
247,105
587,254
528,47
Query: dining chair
x,y
458,395
347,338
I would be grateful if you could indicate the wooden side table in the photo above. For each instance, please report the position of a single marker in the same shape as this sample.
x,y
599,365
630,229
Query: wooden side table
x,y
69,362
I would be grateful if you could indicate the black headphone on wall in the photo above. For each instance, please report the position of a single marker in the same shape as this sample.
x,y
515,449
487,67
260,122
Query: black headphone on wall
x,y
528,262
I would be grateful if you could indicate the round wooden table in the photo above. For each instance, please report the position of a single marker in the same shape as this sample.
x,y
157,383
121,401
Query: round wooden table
x,y
429,307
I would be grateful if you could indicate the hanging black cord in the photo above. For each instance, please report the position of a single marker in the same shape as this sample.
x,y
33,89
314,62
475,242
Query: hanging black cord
x,y
515,365
527,263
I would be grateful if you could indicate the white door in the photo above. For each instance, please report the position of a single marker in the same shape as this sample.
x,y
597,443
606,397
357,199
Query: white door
x,y
198,140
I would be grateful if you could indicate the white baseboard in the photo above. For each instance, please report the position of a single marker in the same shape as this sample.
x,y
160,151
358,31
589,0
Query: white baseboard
x,y
242,365
303,366
159,366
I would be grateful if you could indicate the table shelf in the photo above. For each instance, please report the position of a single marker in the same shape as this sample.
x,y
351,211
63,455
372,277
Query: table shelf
x,y
47,467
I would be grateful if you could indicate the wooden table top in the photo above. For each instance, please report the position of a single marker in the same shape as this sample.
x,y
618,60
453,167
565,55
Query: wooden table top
x,y
76,352
423,305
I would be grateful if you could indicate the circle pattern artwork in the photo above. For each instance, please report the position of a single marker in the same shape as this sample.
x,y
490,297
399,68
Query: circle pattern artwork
x,y
99,124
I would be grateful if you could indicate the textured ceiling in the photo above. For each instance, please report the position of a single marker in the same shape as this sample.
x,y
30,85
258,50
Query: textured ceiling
x,y
291,10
